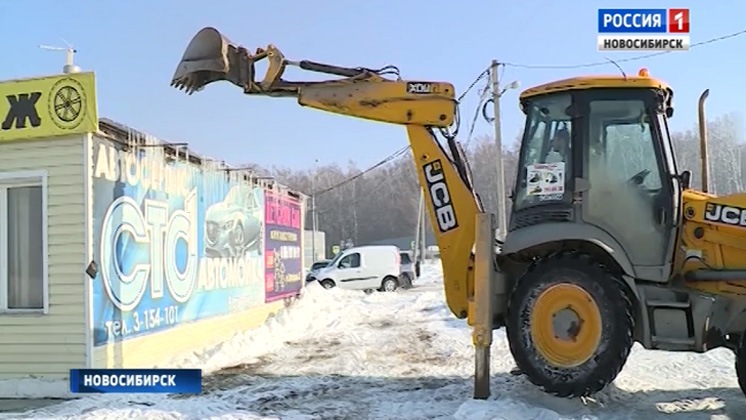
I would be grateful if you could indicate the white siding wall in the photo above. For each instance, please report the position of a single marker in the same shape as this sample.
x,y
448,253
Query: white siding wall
x,y
49,345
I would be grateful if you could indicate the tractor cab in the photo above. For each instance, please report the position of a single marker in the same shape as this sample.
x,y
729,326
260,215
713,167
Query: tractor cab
x,y
597,173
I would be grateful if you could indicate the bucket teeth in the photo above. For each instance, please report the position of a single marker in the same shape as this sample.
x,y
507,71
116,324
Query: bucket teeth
x,y
206,60
187,84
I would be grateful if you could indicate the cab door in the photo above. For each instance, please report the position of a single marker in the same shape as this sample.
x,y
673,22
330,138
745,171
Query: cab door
x,y
351,274
633,195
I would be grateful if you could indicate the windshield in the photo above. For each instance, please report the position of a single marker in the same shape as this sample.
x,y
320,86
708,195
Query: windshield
x,y
336,258
545,154
405,258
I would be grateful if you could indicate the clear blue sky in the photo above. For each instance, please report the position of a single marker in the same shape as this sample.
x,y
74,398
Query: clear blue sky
x,y
134,47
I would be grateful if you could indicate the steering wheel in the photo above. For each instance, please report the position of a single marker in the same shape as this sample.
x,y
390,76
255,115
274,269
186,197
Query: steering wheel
x,y
638,178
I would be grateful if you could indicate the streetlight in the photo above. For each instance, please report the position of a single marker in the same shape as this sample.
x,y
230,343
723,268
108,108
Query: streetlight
x,y
515,84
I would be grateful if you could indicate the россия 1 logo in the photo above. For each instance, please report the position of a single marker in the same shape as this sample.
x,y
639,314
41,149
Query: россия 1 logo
x,y
643,29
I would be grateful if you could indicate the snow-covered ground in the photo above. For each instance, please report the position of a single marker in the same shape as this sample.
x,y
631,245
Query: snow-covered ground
x,y
345,355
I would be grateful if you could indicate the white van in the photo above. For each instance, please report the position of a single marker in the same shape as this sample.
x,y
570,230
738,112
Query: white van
x,y
373,267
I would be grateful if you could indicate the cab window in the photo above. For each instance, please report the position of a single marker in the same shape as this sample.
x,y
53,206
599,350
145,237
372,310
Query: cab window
x,y
350,261
626,149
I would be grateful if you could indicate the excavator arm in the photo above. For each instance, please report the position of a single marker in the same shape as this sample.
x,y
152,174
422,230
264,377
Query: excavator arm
x,y
421,106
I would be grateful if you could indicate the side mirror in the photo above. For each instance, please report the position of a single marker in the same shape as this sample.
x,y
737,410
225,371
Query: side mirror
x,y
686,179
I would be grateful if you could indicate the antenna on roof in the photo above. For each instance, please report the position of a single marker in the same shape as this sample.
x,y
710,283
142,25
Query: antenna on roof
x,y
69,66
617,66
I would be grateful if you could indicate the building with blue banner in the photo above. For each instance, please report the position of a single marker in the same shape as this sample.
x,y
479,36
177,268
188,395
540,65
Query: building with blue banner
x,y
127,251
183,244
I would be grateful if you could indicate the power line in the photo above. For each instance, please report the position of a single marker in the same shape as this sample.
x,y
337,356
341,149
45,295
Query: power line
x,y
367,193
482,99
386,160
481,75
399,152
522,28
604,63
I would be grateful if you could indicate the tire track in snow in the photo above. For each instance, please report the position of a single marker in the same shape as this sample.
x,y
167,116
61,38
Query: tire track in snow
x,y
363,358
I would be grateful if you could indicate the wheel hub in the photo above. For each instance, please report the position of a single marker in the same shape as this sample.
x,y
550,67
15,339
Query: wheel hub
x,y
566,325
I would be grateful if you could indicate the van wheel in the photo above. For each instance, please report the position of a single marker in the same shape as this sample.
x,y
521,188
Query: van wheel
x,y
327,284
389,284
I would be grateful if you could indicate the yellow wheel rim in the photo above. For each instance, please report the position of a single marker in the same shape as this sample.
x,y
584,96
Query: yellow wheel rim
x,y
566,325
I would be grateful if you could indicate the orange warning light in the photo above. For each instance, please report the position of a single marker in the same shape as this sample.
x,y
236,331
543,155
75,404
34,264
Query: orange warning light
x,y
643,73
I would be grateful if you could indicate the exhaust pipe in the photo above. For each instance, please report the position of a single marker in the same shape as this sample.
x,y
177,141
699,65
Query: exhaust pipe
x,y
703,141
211,57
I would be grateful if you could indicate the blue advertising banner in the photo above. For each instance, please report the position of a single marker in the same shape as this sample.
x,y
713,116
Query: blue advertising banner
x,y
174,243
284,268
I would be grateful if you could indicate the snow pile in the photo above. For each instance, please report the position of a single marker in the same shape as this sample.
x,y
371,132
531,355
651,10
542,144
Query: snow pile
x,y
287,324
316,306
389,356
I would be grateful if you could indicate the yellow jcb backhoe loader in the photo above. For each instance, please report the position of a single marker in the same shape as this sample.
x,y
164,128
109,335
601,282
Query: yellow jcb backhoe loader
x,y
607,245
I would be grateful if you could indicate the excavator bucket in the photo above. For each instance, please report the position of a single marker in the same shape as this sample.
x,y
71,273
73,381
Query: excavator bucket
x,y
211,57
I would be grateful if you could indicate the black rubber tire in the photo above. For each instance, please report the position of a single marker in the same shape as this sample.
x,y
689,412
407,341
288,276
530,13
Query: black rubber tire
x,y
390,279
741,364
327,284
406,281
617,324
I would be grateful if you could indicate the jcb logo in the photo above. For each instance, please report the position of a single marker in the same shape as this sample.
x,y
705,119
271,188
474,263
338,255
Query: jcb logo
x,y
729,215
416,87
445,214
22,110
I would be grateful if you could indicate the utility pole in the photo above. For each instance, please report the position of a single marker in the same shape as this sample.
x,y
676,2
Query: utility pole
x,y
423,231
313,212
354,210
416,247
486,274
501,210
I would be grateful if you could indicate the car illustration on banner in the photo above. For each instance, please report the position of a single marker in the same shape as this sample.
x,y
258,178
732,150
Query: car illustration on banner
x,y
233,227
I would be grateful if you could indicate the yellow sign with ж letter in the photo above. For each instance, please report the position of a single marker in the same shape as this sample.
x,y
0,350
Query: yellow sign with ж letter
x,y
48,106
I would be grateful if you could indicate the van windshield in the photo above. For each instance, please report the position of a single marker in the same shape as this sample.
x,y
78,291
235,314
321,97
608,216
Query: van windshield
x,y
336,259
